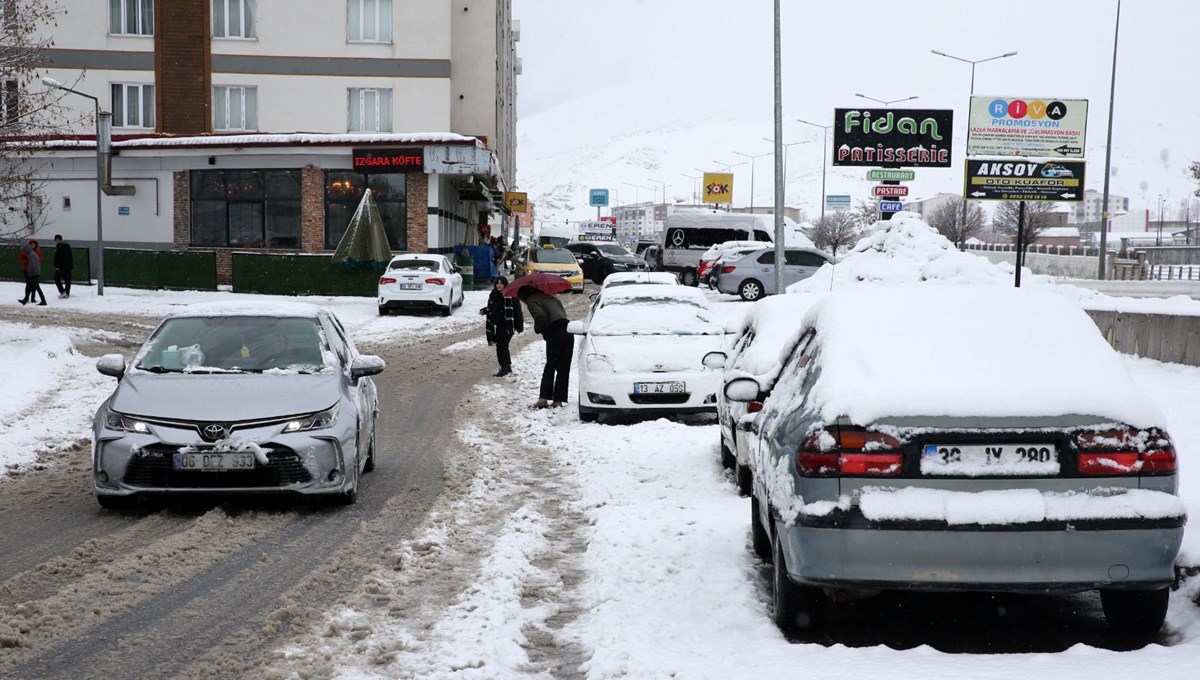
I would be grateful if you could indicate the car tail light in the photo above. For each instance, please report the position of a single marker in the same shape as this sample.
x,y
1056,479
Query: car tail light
x,y
754,407
385,280
727,269
436,281
1125,452
850,452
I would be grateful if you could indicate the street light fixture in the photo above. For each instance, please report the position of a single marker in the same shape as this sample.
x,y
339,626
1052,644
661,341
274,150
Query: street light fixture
x,y
695,186
1161,201
786,146
823,160
103,132
885,103
751,161
664,187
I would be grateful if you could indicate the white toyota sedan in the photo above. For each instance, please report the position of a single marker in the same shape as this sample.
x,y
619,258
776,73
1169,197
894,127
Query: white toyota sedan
x,y
420,281
642,353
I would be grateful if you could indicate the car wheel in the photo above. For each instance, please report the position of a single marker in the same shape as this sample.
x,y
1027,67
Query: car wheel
x,y
687,277
116,502
795,606
350,496
447,310
369,466
1135,611
727,458
744,480
383,311
759,538
750,290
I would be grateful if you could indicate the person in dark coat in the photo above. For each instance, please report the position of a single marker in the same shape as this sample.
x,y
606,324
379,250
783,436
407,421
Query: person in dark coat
x,y
30,258
63,264
550,321
504,320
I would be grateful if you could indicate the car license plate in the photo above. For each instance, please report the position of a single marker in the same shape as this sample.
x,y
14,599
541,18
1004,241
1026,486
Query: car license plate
x,y
989,460
674,387
410,286
214,461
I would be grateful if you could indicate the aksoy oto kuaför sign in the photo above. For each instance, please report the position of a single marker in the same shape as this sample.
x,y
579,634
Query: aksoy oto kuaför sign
x,y
893,137
1057,181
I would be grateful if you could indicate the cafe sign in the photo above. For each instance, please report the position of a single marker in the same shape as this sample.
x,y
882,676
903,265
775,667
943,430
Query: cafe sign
x,y
389,160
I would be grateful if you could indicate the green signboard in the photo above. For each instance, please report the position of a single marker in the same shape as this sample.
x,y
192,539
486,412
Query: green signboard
x,y
891,175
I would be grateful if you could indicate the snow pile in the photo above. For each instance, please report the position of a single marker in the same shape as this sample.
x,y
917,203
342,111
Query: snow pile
x,y
906,250
1015,506
772,321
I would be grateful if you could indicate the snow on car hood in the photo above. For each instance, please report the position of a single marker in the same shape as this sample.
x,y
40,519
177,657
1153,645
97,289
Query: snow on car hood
x,y
224,396
650,353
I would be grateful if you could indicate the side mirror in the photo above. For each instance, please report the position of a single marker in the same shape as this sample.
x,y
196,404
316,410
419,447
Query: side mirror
x,y
366,364
111,365
743,390
593,296
456,269
714,360
577,327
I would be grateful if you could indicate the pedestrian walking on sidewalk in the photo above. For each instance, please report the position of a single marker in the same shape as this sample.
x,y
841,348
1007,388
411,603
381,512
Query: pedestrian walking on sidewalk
x,y
30,258
550,321
64,262
503,320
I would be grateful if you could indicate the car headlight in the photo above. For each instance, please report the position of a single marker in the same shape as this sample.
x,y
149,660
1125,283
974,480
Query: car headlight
x,y
123,423
313,421
598,363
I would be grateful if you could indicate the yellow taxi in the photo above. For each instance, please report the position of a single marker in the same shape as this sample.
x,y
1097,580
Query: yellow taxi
x,y
557,261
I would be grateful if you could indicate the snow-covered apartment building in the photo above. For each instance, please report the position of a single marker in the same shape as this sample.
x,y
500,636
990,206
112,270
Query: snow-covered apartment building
x,y
258,124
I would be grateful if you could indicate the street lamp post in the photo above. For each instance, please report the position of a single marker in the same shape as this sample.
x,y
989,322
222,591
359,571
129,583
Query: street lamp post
x,y
664,187
695,186
824,143
103,121
729,169
1158,239
751,161
786,146
885,103
972,62
1112,92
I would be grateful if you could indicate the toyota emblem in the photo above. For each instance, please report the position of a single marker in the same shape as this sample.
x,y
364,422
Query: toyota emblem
x,y
215,431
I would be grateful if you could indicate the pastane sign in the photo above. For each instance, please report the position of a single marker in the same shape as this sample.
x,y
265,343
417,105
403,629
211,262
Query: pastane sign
x,y
1053,128
893,137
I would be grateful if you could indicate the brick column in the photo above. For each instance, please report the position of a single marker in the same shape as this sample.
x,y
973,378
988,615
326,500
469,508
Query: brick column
x,y
182,207
416,187
312,210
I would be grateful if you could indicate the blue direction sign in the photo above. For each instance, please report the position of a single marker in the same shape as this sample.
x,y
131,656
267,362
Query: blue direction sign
x,y
890,206
598,198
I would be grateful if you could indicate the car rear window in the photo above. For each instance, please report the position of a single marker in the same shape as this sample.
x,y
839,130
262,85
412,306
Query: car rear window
x,y
419,265
552,256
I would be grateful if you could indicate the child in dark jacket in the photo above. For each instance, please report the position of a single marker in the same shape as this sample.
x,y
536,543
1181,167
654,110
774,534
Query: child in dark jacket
x,y
504,320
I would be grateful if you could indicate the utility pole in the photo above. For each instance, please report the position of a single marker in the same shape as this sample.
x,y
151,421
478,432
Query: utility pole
x,y
752,159
779,235
824,160
1112,92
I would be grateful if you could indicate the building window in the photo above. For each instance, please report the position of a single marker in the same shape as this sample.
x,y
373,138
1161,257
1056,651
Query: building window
x,y
344,191
10,103
369,20
370,110
235,107
131,17
133,105
245,208
234,19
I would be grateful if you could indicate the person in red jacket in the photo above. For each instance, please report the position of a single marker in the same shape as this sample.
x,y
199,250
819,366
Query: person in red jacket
x,y
30,258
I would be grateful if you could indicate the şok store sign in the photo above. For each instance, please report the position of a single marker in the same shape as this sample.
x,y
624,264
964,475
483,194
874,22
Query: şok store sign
x,y
893,137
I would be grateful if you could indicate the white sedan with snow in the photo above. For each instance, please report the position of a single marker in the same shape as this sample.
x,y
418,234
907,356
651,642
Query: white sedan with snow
x,y
643,351
969,438
420,281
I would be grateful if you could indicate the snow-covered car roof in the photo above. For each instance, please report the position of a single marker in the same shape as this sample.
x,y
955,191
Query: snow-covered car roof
x,y
641,309
246,308
655,291
715,250
631,278
965,351
775,320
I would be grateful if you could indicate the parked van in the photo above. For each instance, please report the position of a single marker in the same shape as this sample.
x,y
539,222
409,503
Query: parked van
x,y
688,234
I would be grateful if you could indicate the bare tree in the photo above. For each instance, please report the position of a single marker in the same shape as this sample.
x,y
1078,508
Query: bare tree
x,y
1196,174
834,230
948,220
28,116
1037,219
866,212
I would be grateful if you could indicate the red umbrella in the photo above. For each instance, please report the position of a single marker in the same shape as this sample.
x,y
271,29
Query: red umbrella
x,y
547,283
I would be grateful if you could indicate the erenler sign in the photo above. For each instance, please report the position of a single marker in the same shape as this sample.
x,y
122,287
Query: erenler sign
x,y
389,160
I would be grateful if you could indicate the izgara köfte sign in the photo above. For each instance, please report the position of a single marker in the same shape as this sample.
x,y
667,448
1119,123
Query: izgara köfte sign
x,y
893,137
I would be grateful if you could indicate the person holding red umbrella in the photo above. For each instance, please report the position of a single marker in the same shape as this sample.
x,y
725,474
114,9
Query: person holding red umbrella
x,y
550,320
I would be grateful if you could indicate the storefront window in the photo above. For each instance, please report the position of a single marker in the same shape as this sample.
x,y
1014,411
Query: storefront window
x,y
246,208
343,192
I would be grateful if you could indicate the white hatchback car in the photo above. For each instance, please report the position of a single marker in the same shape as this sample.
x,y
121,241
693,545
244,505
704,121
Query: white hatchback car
x,y
642,352
420,281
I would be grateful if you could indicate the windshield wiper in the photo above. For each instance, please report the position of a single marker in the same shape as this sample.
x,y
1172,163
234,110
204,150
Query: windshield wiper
x,y
159,369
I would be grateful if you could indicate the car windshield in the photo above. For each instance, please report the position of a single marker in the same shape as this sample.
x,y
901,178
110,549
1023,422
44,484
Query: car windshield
x,y
251,344
614,250
552,256
418,265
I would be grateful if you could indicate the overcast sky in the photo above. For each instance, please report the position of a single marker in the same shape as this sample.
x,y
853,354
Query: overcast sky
x,y
656,52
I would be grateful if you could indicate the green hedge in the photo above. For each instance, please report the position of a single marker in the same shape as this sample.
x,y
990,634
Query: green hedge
x,y
155,269
10,267
273,274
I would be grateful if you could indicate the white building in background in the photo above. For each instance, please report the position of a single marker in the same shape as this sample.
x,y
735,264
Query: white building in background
x,y
1090,209
925,207
640,220
407,79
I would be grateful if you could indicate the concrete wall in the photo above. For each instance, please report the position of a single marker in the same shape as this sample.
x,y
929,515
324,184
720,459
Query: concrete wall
x,y
1066,266
1173,339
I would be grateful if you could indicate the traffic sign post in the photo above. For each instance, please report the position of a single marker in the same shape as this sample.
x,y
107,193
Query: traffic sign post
x,y
598,198
1057,181
837,203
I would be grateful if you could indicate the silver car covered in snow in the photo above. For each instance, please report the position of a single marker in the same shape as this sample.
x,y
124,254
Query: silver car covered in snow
x,y
238,399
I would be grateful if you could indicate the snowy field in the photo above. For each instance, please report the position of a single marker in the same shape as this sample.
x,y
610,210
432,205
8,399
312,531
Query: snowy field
x,y
668,586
